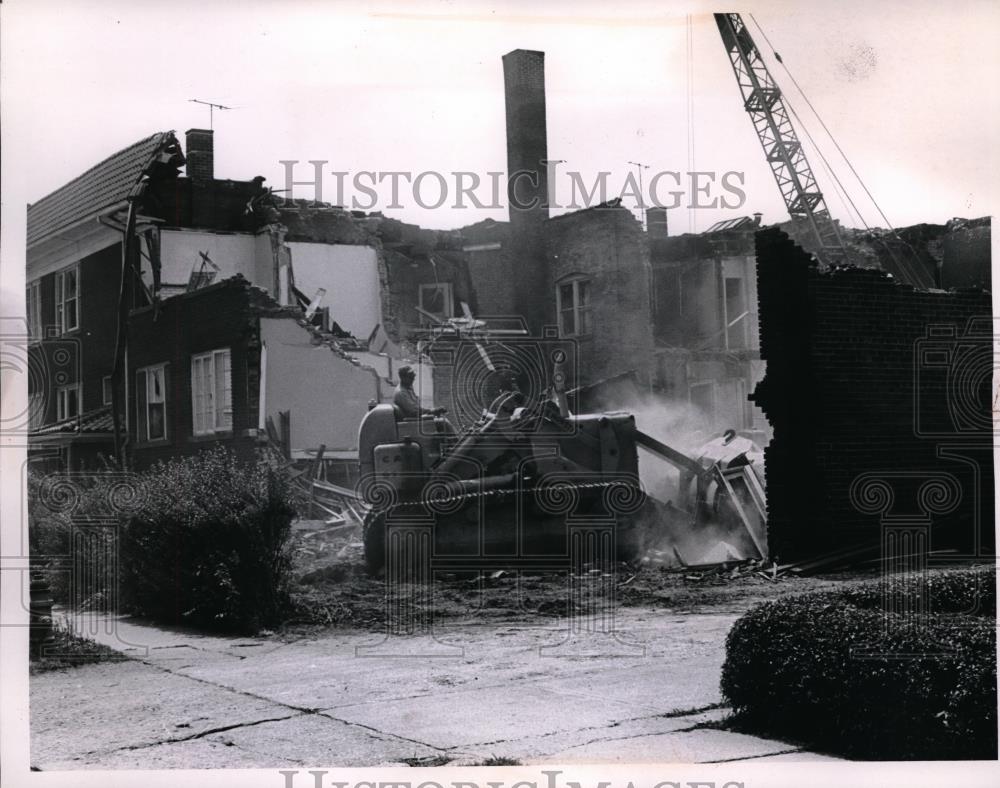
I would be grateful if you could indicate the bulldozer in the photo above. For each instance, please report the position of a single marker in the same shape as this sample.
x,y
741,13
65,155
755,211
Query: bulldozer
x,y
508,490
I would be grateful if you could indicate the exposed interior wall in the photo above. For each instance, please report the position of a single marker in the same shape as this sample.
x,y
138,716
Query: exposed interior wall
x,y
233,253
879,396
349,274
326,394
265,273
387,368
707,357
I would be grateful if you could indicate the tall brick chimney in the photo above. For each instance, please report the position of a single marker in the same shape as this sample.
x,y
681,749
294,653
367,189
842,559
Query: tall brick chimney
x,y
200,154
527,194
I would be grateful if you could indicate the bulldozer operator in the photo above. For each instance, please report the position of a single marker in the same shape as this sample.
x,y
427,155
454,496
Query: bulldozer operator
x,y
406,399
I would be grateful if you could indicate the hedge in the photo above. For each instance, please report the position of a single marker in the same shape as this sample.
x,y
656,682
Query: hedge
x,y
836,672
207,543
50,530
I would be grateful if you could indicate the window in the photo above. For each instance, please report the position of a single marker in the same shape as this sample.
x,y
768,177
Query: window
x,y
106,390
211,392
702,397
68,299
67,402
33,301
36,410
573,306
437,300
151,403
736,315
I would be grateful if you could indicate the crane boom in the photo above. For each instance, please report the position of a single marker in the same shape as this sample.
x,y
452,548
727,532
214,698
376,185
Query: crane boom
x,y
782,149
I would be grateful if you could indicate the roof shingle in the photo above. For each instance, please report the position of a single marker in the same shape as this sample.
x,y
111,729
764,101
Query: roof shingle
x,y
102,186
94,421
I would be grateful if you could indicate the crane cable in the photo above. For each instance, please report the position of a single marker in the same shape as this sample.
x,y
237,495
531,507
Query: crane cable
x,y
839,150
689,50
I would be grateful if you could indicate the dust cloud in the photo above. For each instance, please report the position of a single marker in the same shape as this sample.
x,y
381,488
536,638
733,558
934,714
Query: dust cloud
x,y
677,531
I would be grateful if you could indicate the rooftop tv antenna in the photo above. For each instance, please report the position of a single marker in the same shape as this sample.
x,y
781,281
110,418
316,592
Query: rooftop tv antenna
x,y
211,108
639,166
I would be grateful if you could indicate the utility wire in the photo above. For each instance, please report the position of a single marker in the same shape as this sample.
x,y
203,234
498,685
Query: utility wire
x,y
837,146
690,111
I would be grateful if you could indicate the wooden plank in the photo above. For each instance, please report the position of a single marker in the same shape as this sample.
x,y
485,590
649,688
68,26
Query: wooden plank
x,y
313,473
285,425
735,501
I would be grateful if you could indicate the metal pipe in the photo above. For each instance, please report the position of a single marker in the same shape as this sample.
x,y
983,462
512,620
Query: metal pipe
x,y
674,457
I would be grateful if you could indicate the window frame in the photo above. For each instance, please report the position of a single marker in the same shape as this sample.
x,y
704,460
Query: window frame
x,y
143,402
582,312
62,393
33,309
211,377
713,397
448,297
737,329
61,300
106,392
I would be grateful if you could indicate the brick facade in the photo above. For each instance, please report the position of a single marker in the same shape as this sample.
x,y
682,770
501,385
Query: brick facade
x,y
604,246
527,195
93,343
879,396
213,318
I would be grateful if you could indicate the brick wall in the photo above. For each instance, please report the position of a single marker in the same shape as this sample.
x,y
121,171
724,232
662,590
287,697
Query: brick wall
x,y
92,345
212,318
524,83
606,246
487,246
856,403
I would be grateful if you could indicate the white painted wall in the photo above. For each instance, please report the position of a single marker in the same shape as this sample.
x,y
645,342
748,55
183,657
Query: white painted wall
x,y
234,253
326,395
423,385
349,274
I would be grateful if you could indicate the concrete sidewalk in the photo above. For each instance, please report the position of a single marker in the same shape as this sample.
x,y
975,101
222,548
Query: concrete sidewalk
x,y
531,693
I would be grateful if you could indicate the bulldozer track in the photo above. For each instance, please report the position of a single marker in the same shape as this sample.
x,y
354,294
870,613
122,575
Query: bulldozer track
x,y
378,518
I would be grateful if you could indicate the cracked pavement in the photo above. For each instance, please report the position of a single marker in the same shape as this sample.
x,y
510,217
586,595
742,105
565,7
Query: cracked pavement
x,y
535,693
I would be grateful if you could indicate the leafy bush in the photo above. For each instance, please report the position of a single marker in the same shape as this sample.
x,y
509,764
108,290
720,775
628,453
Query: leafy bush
x,y
834,670
54,502
207,543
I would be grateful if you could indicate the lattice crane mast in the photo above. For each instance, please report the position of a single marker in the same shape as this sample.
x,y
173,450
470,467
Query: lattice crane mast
x,y
785,155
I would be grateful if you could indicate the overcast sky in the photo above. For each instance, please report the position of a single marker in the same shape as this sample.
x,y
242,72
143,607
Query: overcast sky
x,y
908,89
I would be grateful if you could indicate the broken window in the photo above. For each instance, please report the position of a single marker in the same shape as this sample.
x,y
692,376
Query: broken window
x,y
68,299
68,402
573,306
33,301
437,300
151,403
212,392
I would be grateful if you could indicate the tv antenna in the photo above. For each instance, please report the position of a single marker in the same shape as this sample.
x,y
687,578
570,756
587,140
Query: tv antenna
x,y
639,166
211,108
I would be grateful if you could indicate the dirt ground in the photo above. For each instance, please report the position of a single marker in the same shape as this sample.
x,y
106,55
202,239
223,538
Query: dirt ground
x,y
332,589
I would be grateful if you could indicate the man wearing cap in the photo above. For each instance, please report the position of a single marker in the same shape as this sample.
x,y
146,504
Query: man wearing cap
x,y
406,399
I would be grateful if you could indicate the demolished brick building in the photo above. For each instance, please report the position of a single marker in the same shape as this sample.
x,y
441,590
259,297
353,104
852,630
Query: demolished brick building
x,y
196,232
